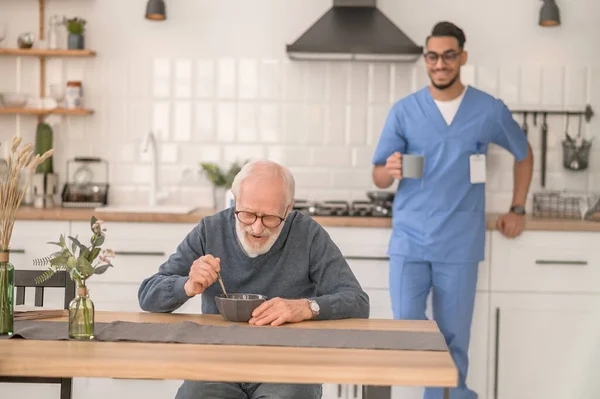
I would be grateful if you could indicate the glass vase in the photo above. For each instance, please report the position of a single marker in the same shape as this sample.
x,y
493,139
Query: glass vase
x,y
81,315
7,284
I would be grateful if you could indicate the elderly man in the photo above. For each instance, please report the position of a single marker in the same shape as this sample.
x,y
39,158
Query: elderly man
x,y
259,246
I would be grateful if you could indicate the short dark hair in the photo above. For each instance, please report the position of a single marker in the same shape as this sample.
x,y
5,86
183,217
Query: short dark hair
x,y
445,28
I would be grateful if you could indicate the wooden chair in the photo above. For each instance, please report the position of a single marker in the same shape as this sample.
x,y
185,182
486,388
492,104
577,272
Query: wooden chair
x,y
25,279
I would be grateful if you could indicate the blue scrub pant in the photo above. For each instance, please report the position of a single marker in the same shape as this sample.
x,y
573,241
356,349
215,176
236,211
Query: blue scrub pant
x,y
453,298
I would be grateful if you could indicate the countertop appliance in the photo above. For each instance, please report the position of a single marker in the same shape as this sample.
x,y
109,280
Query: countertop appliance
x,y
380,205
87,185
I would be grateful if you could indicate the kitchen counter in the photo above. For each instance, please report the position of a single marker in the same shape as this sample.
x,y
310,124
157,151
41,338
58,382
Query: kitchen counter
x,y
28,213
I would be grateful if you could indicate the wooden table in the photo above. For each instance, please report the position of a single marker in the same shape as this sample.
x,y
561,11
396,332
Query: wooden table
x,y
371,368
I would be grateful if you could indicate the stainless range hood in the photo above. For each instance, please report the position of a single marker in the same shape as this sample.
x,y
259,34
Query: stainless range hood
x,y
354,30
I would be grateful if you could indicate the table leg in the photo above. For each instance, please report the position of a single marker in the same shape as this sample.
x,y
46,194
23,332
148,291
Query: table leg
x,y
446,393
376,392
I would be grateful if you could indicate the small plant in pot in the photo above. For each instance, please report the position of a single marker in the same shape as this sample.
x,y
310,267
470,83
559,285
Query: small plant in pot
x,y
222,181
76,29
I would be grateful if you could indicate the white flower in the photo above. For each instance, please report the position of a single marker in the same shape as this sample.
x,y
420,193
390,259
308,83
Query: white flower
x,y
97,227
106,255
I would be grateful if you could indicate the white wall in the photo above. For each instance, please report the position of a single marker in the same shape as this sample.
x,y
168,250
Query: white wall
x,y
214,78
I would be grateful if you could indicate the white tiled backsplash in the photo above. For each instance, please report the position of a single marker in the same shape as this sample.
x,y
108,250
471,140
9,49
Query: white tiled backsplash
x,y
321,119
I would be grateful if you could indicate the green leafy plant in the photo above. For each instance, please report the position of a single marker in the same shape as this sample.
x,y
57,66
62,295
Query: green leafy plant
x,y
76,26
219,177
80,261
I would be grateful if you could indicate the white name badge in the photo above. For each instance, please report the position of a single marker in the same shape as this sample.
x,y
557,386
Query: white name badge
x,y
477,166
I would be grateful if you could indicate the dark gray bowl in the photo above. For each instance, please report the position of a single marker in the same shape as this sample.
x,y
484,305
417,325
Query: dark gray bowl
x,y
238,307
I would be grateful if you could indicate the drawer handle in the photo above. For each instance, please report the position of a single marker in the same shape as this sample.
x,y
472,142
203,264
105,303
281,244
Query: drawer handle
x,y
16,251
139,253
366,257
561,262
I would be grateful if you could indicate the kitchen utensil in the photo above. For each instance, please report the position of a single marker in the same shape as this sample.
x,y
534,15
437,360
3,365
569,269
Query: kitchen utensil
x,y
544,149
576,152
412,166
222,285
525,127
579,140
567,136
238,307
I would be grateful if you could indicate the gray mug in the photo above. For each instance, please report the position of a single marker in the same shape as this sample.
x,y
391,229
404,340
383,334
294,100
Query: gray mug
x,y
412,166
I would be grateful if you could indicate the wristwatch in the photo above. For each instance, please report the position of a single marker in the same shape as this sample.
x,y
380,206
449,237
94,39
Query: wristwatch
x,y
518,209
314,307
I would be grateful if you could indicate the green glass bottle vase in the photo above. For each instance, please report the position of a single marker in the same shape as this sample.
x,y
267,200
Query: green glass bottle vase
x,y
7,284
81,315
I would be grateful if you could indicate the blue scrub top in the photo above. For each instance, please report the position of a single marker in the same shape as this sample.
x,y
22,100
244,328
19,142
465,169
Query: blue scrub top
x,y
441,217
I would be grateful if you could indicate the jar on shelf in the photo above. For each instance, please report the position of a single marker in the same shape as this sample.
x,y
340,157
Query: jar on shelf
x,y
74,95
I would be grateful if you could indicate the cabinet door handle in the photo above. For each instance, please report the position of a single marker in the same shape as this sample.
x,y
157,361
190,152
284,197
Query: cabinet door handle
x,y
16,251
140,253
367,257
561,262
339,390
497,352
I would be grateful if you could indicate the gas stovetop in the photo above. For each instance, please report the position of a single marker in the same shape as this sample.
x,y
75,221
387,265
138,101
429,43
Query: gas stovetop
x,y
344,208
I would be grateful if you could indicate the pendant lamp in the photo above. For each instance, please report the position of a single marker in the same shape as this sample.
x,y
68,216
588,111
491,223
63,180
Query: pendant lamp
x,y
156,10
549,14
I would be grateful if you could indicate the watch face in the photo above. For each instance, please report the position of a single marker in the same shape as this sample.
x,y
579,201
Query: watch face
x,y
314,306
519,210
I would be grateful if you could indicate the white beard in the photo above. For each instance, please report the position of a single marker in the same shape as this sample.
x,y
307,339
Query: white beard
x,y
253,250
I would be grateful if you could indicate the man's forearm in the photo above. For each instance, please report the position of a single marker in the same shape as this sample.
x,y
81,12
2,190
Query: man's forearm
x,y
162,293
381,177
523,171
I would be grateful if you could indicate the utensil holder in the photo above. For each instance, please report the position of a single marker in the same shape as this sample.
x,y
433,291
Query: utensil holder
x,y
576,157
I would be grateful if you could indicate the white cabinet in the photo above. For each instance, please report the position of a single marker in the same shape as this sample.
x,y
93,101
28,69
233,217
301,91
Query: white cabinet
x,y
547,261
548,346
545,312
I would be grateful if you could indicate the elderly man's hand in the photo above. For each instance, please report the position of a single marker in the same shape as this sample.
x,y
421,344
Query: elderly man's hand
x,y
278,311
203,274
511,225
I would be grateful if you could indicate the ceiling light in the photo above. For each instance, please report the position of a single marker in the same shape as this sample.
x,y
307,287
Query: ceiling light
x,y
156,10
549,14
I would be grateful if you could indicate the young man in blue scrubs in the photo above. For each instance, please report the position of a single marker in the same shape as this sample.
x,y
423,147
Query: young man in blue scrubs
x,y
439,220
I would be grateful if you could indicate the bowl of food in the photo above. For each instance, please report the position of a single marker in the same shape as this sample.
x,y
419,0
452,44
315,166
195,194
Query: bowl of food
x,y
238,307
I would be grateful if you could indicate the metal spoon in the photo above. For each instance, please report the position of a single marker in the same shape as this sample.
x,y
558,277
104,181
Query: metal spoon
x,y
222,285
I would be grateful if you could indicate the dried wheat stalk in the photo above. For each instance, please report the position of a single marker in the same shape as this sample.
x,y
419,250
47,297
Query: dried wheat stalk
x,y
22,164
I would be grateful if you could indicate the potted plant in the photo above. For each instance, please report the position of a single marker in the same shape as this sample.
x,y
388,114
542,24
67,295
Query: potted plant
x,y
81,262
221,180
76,29
14,182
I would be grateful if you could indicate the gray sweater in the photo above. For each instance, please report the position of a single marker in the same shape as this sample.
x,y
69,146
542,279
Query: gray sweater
x,y
303,263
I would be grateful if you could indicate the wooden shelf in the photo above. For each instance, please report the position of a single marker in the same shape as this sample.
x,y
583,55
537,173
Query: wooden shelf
x,y
35,52
56,111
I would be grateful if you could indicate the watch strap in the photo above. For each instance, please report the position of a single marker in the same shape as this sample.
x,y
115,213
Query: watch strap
x,y
518,209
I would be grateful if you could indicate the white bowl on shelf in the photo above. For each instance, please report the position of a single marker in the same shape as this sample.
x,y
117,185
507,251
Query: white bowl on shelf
x,y
14,100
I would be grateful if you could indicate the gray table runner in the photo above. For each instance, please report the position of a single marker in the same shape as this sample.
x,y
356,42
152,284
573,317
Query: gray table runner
x,y
188,332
